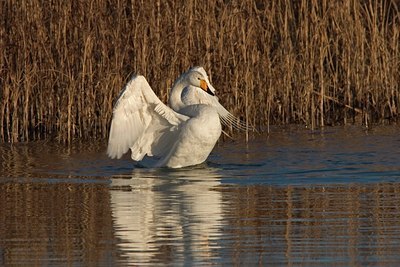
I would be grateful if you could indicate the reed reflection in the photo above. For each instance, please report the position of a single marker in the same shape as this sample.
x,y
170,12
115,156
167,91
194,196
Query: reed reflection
x,y
346,224
55,224
167,216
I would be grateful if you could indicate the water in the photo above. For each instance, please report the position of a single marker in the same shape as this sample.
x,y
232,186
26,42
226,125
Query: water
x,y
296,197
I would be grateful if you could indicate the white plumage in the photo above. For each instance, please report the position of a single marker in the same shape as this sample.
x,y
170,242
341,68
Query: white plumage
x,y
181,135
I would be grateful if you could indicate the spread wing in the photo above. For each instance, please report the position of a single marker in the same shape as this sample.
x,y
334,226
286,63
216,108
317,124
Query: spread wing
x,y
142,123
192,96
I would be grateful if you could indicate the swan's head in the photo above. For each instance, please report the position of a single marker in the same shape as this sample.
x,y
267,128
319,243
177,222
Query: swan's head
x,y
191,88
197,76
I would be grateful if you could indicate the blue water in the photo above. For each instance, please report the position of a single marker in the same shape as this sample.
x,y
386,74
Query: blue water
x,y
293,197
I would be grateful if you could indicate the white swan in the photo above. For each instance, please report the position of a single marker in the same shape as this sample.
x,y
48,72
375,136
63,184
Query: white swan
x,y
175,137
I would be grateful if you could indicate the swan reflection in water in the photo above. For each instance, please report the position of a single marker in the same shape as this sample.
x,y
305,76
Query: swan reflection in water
x,y
163,215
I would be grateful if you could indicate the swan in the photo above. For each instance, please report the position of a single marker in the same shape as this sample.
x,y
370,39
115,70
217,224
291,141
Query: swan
x,y
177,136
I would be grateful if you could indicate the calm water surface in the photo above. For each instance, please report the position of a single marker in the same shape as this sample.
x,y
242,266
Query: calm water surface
x,y
296,197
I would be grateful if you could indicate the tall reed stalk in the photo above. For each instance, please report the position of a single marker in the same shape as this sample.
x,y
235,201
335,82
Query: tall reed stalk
x,y
312,62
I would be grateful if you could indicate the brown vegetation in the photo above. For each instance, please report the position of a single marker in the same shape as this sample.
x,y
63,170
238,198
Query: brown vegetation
x,y
313,62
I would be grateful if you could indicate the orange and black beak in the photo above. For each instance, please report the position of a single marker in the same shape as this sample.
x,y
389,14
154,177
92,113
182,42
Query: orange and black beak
x,y
204,86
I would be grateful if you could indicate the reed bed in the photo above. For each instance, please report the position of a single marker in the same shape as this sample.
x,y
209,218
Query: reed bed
x,y
307,62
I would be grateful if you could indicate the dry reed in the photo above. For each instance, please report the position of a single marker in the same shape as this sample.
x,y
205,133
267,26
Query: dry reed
x,y
312,62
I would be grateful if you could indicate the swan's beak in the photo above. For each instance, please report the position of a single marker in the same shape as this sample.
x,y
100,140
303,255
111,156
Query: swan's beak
x,y
205,87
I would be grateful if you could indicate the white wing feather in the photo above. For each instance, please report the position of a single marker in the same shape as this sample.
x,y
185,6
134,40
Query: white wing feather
x,y
142,123
191,96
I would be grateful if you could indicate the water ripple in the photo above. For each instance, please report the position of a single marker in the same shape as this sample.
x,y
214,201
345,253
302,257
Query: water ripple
x,y
291,198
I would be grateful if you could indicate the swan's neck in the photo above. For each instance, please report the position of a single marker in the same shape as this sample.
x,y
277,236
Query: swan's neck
x,y
175,100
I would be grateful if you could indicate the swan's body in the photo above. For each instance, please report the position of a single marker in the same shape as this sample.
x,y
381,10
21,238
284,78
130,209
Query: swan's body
x,y
175,137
